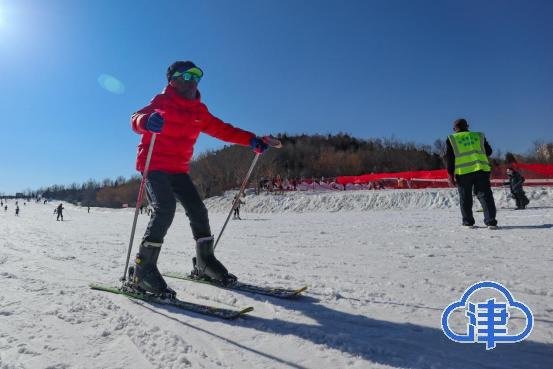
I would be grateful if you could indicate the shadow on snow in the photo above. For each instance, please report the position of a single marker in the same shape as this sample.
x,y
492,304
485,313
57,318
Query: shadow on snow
x,y
400,345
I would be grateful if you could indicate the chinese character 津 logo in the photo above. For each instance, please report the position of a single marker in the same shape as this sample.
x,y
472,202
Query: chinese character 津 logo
x,y
487,321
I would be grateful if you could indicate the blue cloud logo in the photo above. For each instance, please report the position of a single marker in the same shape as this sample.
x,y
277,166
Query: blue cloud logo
x,y
487,321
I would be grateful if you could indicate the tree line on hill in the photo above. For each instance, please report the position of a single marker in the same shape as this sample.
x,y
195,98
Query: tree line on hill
x,y
301,157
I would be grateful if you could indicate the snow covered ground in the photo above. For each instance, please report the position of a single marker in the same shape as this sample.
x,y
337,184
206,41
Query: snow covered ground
x,y
381,266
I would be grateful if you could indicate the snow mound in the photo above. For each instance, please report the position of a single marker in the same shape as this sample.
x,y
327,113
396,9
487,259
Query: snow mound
x,y
336,201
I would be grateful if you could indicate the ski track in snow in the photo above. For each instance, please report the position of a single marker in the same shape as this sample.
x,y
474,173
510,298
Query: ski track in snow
x,y
381,266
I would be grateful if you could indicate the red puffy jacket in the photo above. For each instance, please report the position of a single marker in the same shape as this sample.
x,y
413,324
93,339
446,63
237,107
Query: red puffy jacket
x,y
184,120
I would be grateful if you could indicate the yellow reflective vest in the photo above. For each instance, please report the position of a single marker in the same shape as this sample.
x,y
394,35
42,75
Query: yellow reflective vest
x,y
470,153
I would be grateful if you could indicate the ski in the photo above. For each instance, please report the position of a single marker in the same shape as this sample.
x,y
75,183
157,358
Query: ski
x,y
180,304
283,293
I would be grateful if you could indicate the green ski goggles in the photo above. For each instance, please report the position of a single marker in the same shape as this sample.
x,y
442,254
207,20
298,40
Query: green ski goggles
x,y
194,74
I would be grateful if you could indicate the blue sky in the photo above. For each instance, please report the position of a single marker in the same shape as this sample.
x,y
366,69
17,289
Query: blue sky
x,y
373,69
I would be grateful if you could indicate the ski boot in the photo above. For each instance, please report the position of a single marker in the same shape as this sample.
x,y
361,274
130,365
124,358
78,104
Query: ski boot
x,y
145,277
206,266
525,202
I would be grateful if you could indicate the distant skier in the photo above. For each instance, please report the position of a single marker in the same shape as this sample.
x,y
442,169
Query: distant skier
x,y
236,213
16,210
178,116
468,167
59,211
5,207
515,182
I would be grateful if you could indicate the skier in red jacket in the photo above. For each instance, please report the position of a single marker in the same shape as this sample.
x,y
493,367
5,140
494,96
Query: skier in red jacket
x,y
178,116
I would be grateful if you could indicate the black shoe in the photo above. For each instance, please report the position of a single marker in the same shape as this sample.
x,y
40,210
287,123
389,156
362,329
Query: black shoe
x,y
146,275
207,266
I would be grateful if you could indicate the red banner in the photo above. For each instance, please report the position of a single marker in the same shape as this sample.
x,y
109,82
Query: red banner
x,y
421,174
543,170
530,171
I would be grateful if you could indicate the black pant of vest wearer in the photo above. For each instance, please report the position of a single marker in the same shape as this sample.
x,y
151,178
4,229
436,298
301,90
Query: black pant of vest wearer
x,y
480,182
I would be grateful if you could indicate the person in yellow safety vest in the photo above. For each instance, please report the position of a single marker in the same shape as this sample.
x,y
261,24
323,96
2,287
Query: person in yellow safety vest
x,y
469,169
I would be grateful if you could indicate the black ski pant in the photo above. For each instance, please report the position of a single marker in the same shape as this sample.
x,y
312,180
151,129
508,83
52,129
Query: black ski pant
x,y
520,199
163,189
479,182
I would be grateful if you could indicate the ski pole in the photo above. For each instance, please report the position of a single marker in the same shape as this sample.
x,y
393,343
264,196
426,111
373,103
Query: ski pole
x,y
271,142
237,198
139,202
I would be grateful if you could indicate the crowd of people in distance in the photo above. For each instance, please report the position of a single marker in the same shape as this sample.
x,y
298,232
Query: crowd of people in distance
x,y
279,184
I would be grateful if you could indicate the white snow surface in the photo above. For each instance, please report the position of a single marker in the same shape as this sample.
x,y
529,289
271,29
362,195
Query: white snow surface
x,y
380,265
